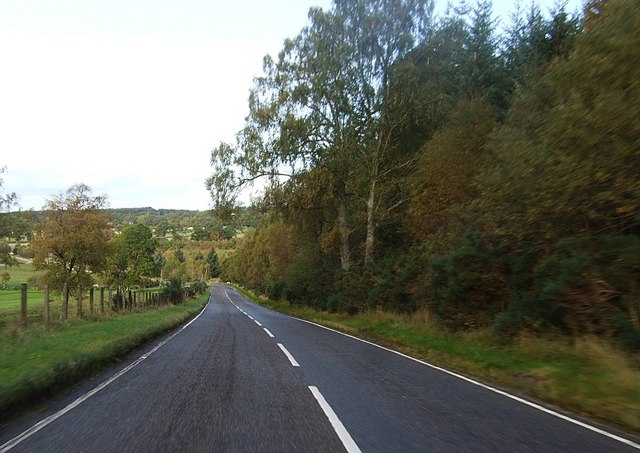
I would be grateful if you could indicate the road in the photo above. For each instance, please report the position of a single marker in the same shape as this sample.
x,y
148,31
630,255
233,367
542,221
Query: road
x,y
243,378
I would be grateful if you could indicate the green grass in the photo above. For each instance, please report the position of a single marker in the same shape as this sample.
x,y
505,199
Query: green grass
x,y
586,376
20,273
10,300
36,362
10,303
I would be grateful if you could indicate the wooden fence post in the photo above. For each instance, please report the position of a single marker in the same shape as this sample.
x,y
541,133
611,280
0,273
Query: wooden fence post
x,y
110,300
91,300
102,300
65,302
130,299
23,305
79,301
46,312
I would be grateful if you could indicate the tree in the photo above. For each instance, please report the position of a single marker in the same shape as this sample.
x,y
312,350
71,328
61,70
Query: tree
x,y
133,257
485,72
532,41
569,156
321,108
213,264
73,240
384,32
445,174
201,234
160,261
6,202
6,258
163,228
174,266
301,117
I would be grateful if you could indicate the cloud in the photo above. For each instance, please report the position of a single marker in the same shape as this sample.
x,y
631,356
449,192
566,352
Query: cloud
x,y
144,112
129,97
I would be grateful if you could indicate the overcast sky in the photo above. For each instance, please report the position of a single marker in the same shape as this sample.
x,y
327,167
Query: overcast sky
x,y
130,96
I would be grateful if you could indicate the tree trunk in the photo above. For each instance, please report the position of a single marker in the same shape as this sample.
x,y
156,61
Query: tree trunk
x,y
343,228
371,223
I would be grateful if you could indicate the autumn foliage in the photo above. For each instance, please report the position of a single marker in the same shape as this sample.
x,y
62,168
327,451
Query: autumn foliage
x,y
73,240
508,192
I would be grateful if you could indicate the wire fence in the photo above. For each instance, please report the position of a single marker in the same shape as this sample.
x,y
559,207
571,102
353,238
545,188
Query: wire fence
x,y
26,307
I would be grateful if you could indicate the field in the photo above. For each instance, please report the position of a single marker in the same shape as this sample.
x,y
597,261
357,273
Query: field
x,y
10,299
10,295
19,274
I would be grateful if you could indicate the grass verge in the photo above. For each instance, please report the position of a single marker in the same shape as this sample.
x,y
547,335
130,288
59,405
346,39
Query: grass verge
x,y
586,376
36,363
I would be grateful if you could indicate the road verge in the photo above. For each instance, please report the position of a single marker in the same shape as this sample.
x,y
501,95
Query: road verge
x,y
585,376
36,364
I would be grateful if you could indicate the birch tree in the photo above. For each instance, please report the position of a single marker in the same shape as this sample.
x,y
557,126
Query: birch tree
x,y
322,106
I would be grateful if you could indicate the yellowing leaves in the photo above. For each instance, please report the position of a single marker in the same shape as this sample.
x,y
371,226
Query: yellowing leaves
x,y
444,177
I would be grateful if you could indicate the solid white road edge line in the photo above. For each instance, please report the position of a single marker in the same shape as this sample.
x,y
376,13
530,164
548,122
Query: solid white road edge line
x,y
487,387
341,431
53,417
268,333
289,356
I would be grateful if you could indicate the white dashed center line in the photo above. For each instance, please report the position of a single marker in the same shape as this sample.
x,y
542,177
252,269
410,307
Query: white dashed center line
x,y
341,431
289,356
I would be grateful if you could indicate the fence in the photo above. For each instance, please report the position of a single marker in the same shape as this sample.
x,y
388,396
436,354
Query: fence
x,y
47,305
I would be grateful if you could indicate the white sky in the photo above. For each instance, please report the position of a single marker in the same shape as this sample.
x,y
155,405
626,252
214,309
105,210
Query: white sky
x,y
130,96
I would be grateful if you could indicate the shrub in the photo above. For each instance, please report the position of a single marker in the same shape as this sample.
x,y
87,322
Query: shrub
x,y
307,280
199,287
470,285
627,334
584,281
392,282
173,291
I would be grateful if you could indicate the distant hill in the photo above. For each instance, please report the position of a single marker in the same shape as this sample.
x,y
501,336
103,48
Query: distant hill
x,y
151,217
20,224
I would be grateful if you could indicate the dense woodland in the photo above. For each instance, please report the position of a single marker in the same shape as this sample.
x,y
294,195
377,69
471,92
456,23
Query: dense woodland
x,y
486,173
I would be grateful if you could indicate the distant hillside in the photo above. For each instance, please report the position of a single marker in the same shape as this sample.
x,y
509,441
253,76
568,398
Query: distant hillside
x,y
20,224
151,217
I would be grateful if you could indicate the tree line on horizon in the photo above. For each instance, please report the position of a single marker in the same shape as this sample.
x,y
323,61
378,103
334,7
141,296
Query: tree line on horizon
x,y
77,241
413,162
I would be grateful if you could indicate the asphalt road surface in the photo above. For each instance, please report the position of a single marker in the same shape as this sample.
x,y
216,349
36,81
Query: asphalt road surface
x,y
242,378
